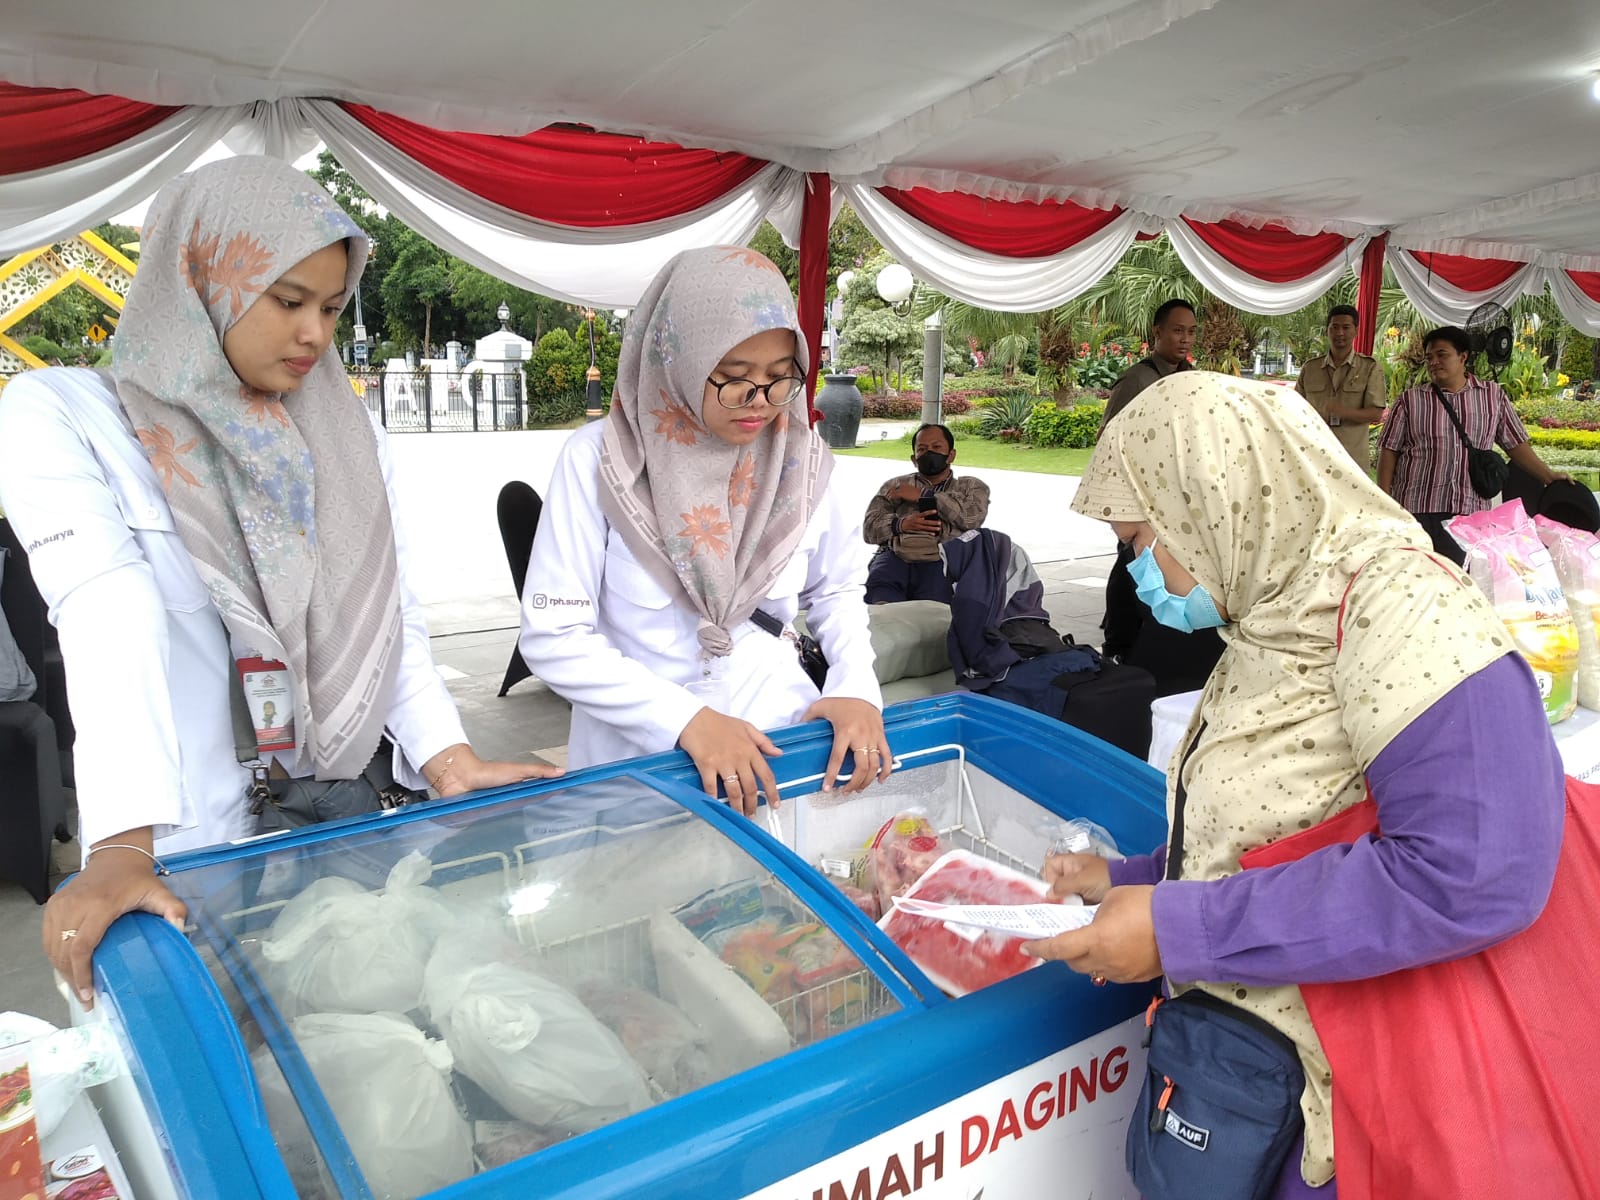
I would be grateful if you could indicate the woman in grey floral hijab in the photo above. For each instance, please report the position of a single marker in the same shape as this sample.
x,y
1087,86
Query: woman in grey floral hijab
x,y
699,508
223,468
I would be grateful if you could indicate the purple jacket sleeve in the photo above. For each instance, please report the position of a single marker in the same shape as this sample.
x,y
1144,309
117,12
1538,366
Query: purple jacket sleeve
x,y
1471,802
1141,868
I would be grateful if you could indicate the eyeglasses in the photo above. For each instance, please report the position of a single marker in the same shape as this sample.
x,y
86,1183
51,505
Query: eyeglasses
x,y
743,394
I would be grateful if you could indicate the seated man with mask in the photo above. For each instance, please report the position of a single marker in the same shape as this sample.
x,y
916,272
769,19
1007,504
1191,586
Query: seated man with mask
x,y
913,515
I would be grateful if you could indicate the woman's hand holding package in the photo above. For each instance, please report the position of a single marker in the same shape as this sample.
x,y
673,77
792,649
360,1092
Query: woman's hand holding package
x,y
1118,945
114,881
457,770
1087,876
735,752
857,728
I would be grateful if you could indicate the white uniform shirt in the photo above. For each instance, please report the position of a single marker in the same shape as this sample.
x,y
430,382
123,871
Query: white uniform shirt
x,y
599,629
145,651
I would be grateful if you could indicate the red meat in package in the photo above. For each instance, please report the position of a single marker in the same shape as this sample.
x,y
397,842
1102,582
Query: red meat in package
x,y
964,961
902,852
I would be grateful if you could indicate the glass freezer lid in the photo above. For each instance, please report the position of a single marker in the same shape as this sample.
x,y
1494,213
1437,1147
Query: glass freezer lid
x,y
448,993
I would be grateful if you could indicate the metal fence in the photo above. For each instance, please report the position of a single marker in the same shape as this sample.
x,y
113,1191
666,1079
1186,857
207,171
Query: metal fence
x,y
423,401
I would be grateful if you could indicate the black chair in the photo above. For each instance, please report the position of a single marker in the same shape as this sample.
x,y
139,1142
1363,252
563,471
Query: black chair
x,y
34,749
517,510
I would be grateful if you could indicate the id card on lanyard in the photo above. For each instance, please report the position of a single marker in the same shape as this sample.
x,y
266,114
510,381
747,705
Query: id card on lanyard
x,y
268,698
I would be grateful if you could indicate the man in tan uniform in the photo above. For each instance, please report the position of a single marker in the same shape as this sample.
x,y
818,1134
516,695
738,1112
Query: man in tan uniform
x,y
1347,389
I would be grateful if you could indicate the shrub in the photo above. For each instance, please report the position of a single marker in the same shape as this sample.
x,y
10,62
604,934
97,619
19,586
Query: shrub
x,y
545,411
1555,412
42,347
1577,359
1566,439
908,404
999,415
1074,428
556,368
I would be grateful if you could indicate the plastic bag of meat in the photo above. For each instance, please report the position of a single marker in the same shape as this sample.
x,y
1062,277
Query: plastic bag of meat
x,y
964,961
336,947
902,851
526,1040
659,1036
389,1088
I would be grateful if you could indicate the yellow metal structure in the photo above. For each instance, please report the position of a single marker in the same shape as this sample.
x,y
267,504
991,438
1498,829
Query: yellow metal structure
x,y
31,279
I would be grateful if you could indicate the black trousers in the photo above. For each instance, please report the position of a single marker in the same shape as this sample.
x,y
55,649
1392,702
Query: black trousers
x,y
891,579
1443,543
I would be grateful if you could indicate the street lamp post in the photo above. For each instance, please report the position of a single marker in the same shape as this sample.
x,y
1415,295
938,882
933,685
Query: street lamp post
x,y
897,289
594,404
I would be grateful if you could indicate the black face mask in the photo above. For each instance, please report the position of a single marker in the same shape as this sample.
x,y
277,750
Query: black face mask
x,y
931,463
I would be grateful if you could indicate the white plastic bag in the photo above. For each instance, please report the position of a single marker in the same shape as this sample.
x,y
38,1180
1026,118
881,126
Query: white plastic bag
x,y
659,1036
525,1040
1577,557
389,1088
61,1062
337,947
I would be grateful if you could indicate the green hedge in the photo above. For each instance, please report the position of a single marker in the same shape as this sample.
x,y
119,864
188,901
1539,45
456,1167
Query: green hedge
x,y
1072,428
1566,439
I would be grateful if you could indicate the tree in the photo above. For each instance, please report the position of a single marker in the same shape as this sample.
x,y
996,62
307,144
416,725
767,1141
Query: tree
x,y
870,326
418,280
477,295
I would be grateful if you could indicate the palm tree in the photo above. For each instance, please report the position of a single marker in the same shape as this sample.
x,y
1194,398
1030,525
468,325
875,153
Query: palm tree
x,y
1149,274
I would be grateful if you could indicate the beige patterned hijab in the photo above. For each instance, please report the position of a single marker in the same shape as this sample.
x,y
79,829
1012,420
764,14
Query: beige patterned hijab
x,y
713,521
1248,489
278,498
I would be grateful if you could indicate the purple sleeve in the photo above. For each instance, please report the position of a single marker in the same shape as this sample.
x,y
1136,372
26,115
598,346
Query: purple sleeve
x,y
1141,868
1471,801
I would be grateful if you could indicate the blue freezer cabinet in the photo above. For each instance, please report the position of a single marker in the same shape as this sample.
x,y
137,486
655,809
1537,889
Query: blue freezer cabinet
x,y
608,985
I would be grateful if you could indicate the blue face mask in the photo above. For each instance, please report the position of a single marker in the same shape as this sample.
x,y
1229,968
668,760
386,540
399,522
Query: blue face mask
x,y
1186,614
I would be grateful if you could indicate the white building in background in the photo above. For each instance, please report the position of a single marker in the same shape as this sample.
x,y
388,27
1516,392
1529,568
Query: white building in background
x,y
442,393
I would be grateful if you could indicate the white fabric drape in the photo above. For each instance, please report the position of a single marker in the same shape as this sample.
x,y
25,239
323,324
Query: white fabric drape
x,y
1447,304
608,267
1242,290
40,207
993,280
1574,303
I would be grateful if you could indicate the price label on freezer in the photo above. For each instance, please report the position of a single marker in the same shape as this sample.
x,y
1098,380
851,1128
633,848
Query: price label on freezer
x,y
1027,921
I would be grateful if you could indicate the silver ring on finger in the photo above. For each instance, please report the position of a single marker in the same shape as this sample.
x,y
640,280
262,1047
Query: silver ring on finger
x,y
732,781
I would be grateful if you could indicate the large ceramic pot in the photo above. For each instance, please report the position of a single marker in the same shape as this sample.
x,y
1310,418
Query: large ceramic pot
x,y
839,402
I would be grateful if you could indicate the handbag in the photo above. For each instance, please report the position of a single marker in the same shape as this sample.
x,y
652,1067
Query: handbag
x,y
1486,470
289,803
1468,1079
1219,1112
812,660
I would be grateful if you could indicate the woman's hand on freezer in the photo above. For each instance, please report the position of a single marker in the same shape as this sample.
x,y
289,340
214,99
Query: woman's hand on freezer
x,y
1118,945
858,729
457,770
114,881
735,752
1085,875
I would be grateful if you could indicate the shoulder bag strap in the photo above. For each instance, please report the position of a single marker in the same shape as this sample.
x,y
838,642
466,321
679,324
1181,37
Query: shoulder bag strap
x,y
1454,420
1179,803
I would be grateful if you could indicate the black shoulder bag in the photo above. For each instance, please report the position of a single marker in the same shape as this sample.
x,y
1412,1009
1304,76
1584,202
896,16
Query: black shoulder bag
x,y
1220,1109
1486,470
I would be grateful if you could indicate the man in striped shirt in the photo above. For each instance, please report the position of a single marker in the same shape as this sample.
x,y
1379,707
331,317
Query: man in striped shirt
x,y
1422,461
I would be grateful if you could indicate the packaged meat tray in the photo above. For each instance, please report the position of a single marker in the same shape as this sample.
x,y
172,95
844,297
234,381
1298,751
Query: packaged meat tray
x,y
959,962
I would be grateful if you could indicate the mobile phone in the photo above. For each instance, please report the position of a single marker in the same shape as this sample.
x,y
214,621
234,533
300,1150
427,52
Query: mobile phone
x,y
927,504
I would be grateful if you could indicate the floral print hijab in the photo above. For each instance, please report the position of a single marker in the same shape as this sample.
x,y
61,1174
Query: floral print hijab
x,y
279,499
713,521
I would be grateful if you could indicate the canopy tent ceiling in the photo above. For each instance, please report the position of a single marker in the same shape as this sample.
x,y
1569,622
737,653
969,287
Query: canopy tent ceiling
x,y
1329,131
1459,120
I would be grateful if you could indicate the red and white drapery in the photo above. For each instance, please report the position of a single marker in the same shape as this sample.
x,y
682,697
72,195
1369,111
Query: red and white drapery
x,y
590,216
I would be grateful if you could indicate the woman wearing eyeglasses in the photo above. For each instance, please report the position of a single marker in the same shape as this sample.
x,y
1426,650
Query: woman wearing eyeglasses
x,y
700,501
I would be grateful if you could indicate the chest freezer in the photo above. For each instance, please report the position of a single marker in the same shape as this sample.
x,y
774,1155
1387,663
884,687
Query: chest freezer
x,y
608,985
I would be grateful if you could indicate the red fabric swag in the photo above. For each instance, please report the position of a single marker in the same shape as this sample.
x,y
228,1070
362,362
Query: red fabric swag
x,y
569,176
1013,228
1369,292
1588,283
44,127
814,215
1468,274
1272,254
